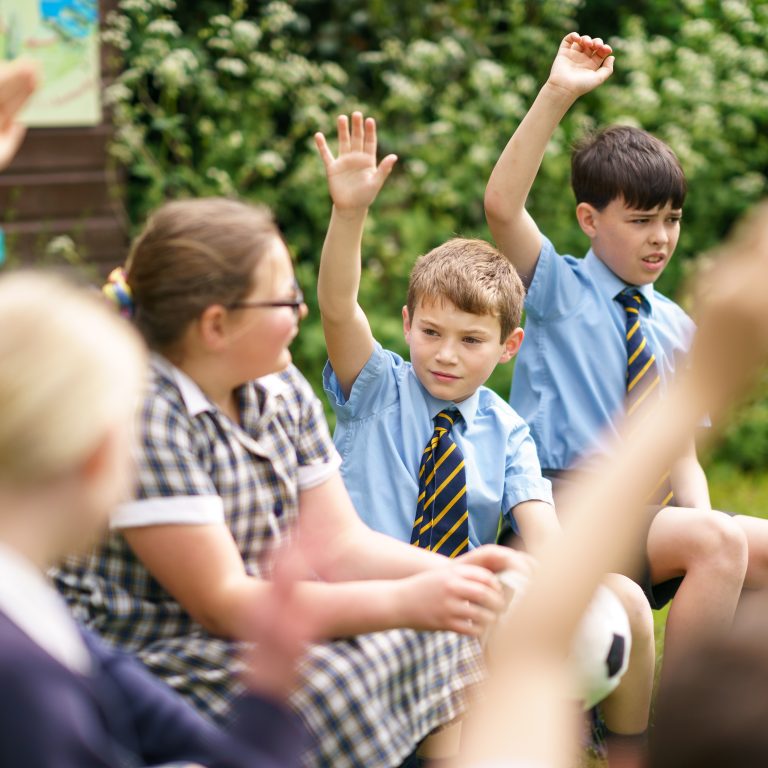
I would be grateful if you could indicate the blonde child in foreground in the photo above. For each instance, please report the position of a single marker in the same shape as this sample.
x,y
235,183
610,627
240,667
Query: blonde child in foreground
x,y
71,378
524,720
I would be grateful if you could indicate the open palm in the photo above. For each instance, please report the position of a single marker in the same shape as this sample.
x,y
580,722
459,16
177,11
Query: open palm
x,y
582,63
354,178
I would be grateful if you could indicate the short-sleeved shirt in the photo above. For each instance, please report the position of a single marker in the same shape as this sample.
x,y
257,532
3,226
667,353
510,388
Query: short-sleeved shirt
x,y
570,376
384,426
367,700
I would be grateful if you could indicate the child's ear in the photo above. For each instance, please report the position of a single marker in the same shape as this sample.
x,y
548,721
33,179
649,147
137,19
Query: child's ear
x,y
212,326
512,345
586,215
406,325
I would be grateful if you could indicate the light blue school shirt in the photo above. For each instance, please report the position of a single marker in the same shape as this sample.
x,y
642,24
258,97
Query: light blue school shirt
x,y
570,375
384,426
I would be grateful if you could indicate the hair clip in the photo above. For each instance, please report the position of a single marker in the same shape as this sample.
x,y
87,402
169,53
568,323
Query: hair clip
x,y
117,290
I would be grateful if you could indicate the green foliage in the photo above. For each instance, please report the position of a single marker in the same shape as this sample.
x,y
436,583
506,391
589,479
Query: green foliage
x,y
220,97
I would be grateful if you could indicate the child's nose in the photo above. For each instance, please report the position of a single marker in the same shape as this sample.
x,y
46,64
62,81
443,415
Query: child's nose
x,y
446,351
659,235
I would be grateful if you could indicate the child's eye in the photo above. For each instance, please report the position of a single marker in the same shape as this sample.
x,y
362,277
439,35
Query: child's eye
x,y
639,221
472,340
429,331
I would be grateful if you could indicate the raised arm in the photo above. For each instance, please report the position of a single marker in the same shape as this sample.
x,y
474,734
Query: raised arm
x,y
581,64
18,80
526,714
354,181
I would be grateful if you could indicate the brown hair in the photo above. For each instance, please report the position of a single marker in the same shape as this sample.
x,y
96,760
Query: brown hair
x,y
190,255
473,276
629,163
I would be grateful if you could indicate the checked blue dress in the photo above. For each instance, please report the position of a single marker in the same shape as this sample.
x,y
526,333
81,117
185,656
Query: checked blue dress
x,y
368,700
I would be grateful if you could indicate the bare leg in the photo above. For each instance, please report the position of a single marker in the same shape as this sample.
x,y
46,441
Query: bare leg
x,y
709,550
756,530
626,710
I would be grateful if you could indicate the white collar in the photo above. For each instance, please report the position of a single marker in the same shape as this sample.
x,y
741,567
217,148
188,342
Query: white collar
x,y
30,602
196,401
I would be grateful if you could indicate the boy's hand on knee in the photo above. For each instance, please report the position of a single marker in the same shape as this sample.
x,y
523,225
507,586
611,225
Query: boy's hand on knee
x,y
460,598
354,178
581,64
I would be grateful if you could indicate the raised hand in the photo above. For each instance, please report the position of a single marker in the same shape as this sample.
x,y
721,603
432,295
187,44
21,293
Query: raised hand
x,y
18,80
354,178
582,63
731,342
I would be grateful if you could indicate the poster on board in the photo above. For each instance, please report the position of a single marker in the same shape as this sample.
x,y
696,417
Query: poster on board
x,y
63,36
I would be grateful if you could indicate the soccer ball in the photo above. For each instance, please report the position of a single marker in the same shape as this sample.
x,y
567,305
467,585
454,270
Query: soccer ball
x,y
600,647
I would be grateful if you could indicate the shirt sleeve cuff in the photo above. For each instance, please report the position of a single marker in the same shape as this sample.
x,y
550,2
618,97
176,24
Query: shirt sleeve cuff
x,y
312,475
171,510
364,390
530,490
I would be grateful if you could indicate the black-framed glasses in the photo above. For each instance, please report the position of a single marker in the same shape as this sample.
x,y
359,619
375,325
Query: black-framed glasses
x,y
294,303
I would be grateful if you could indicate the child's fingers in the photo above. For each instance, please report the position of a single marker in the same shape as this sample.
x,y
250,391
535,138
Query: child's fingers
x,y
370,137
10,141
570,38
342,126
606,68
482,595
385,168
322,147
17,83
358,134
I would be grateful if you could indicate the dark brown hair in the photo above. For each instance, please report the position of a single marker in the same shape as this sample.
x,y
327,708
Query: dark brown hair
x,y
193,254
473,276
629,163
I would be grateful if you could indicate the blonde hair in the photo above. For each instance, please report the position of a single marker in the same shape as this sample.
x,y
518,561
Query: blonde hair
x,y
71,369
474,276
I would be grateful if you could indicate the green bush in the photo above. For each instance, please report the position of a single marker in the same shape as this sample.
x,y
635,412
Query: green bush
x,y
223,98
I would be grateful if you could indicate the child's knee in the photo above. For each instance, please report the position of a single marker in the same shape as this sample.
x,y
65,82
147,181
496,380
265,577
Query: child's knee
x,y
636,605
720,542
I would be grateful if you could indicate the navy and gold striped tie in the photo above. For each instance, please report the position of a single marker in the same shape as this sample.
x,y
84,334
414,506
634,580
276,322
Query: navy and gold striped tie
x,y
442,518
642,376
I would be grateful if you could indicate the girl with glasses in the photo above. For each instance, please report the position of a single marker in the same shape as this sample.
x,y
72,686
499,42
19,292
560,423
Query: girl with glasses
x,y
234,460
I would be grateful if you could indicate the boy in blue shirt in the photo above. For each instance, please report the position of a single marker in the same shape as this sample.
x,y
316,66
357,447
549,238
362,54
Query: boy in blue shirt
x,y
402,425
602,342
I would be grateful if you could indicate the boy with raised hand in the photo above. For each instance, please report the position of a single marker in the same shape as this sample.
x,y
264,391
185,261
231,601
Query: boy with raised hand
x,y
461,320
430,455
602,341
523,718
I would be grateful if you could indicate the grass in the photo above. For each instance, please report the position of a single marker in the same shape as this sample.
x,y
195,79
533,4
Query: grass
x,y
731,490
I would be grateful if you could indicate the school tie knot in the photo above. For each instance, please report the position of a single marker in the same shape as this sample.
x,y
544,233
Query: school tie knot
x,y
631,299
442,518
445,420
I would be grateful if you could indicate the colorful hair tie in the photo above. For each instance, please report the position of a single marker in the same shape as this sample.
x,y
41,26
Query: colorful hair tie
x,y
117,290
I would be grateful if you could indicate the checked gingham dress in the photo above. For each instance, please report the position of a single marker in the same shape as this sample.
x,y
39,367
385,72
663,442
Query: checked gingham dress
x,y
368,700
